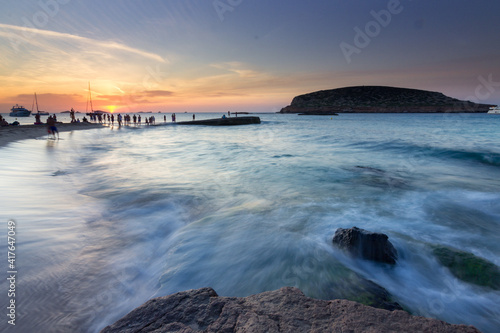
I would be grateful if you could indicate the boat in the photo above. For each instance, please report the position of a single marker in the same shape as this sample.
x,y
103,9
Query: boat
x,y
89,101
98,112
19,111
92,112
38,112
494,110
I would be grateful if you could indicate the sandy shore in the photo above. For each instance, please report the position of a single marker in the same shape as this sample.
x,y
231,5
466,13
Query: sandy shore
x,y
15,133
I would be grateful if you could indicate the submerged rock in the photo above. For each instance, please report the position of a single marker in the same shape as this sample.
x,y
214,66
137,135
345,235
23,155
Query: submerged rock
x,y
335,281
283,310
376,296
365,244
469,268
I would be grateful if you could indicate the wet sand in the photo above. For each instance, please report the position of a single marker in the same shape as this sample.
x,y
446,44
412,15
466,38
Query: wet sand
x,y
15,133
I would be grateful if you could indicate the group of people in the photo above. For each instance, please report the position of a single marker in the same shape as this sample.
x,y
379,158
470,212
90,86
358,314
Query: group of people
x,y
101,118
126,119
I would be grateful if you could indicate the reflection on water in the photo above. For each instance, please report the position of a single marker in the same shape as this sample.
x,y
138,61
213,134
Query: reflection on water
x,y
110,218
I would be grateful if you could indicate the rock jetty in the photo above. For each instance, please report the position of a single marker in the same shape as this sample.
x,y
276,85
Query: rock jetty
x,y
379,99
228,121
283,310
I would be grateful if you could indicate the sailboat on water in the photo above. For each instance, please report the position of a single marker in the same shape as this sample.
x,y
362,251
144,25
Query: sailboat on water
x,y
89,102
38,112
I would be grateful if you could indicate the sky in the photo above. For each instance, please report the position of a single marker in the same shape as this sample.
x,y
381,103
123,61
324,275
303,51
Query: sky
x,y
240,55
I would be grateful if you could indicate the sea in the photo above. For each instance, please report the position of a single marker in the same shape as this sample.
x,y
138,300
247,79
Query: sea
x,y
105,219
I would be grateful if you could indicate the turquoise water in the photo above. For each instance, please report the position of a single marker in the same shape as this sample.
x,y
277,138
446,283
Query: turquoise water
x,y
108,218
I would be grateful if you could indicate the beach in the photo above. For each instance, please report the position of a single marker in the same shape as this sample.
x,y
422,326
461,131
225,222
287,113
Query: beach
x,y
21,132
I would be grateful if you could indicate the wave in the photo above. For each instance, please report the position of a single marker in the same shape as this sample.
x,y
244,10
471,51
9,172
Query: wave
x,y
491,158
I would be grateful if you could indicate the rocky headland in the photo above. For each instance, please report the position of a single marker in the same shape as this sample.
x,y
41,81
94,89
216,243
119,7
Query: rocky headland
x,y
379,99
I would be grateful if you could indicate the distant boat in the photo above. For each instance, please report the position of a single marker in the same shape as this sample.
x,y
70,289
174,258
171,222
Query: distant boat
x,y
494,110
99,112
38,112
89,101
19,111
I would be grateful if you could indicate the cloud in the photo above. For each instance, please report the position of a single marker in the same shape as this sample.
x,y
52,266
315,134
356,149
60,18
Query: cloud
x,y
46,101
158,93
134,98
225,94
49,95
19,35
236,67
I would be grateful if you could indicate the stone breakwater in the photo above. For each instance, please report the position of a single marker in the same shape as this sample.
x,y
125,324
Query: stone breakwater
x,y
229,121
283,310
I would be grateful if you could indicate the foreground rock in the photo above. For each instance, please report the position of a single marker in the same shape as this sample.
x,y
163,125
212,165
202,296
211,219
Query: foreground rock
x,y
283,310
367,99
365,244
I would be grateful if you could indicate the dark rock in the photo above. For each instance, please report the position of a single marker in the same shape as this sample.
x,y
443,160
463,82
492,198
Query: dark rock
x,y
319,113
469,268
339,282
368,99
228,121
375,295
366,244
283,310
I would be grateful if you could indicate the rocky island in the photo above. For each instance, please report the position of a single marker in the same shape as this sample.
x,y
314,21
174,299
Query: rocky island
x,y
379,99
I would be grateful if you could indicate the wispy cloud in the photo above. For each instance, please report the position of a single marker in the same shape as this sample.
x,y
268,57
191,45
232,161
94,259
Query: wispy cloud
x,y
27,35
237,67
158,93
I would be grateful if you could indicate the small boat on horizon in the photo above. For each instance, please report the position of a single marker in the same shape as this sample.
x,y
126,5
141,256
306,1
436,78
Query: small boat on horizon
x,y
19,111
38,112
96,112
92,112
494,110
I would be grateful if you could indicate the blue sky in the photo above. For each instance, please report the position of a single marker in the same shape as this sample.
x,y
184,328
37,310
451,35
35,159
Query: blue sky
x,y
241,55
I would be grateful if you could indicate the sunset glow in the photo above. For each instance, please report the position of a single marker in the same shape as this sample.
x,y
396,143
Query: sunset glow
x,y
111,108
